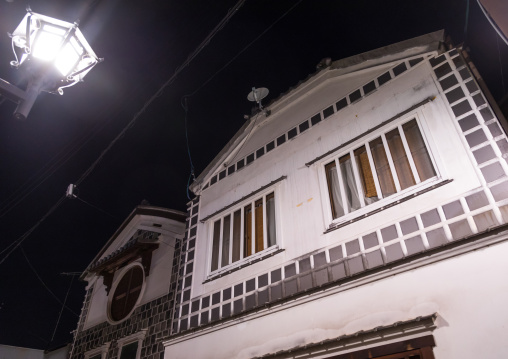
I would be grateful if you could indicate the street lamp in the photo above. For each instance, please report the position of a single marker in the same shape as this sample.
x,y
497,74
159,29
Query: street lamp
x,y
53,53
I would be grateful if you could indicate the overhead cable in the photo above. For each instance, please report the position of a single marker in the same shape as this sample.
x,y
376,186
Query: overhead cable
x,y
45,285
13,246
244,49
191,57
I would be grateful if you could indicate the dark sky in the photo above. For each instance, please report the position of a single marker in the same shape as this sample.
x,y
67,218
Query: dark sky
x,y
143,43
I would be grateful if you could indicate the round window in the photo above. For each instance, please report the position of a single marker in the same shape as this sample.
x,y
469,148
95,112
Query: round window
x,y
126,294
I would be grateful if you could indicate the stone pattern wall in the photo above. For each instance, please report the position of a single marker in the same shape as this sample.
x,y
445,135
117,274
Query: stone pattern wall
x,y
474,212
184,266
155,316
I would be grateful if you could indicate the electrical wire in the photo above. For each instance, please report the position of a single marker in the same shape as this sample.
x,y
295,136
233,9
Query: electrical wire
x,y
184,99
13,246
61,310
191,57
62,157
244,49
191,175
41,176
93,206
246,137
500,64
492,22
44,284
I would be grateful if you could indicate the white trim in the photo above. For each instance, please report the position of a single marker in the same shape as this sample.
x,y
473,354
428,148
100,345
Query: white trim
x,y
139,337
209,225
102,350
383,201
325,292
119,277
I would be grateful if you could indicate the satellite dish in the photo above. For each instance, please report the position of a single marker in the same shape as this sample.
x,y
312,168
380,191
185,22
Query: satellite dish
x,y
256,95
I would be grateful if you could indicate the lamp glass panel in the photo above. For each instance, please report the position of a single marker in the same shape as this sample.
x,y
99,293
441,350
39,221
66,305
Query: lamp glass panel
x,y
48,42
67,59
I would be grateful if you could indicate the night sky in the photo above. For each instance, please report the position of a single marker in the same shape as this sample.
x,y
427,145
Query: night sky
x,y
267,43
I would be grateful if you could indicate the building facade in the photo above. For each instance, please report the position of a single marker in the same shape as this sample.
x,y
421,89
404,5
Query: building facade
x,y
130,288
360,215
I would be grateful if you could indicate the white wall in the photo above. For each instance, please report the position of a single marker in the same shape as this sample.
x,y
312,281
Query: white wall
x,y
303,205
468,292
10,352
158,281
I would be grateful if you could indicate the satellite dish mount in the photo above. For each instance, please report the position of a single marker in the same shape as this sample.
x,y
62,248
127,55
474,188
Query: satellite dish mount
x,y
256,95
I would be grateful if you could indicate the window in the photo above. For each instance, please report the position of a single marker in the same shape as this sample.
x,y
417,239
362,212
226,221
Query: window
x,y
129,351
386,165
130,347
126,293
243,232
98,353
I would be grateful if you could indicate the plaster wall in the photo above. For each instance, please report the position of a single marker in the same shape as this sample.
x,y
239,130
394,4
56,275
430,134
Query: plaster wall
x,y
156,285
320,92
303,212
10,352
467,292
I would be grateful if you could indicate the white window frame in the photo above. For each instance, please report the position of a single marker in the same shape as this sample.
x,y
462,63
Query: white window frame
x,y
136,337
383,201
241,206
118,277
102,351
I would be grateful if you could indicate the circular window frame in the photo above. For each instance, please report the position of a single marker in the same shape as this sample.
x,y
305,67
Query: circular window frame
x,y
121,274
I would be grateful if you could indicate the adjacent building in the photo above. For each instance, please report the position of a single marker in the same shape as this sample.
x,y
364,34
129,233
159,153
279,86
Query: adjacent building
x,y
130,288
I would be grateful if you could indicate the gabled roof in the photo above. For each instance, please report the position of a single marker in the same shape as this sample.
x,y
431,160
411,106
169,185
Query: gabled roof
x,y
135,241
401,50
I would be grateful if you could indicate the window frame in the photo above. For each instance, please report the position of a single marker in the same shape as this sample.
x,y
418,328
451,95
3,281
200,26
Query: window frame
x,y
364,141
251,201
119,277
136,337
102,351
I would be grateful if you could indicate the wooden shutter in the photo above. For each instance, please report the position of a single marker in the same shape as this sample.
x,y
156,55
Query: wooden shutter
x,y
418,150
259,225
384,173
215,245
237,218
226,229
400,161
328,169
369,187
247,231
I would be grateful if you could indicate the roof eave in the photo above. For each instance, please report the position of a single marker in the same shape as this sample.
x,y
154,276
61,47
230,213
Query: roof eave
x,y
415,46
139,210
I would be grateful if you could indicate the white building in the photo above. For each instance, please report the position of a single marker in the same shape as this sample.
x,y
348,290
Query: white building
x,y
130,288
364,215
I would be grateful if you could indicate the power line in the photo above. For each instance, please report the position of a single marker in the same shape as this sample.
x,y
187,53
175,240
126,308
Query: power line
x,y
184,99
94,206
200,47
61,310
12,247
244,49
44,284
500,64
36,180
